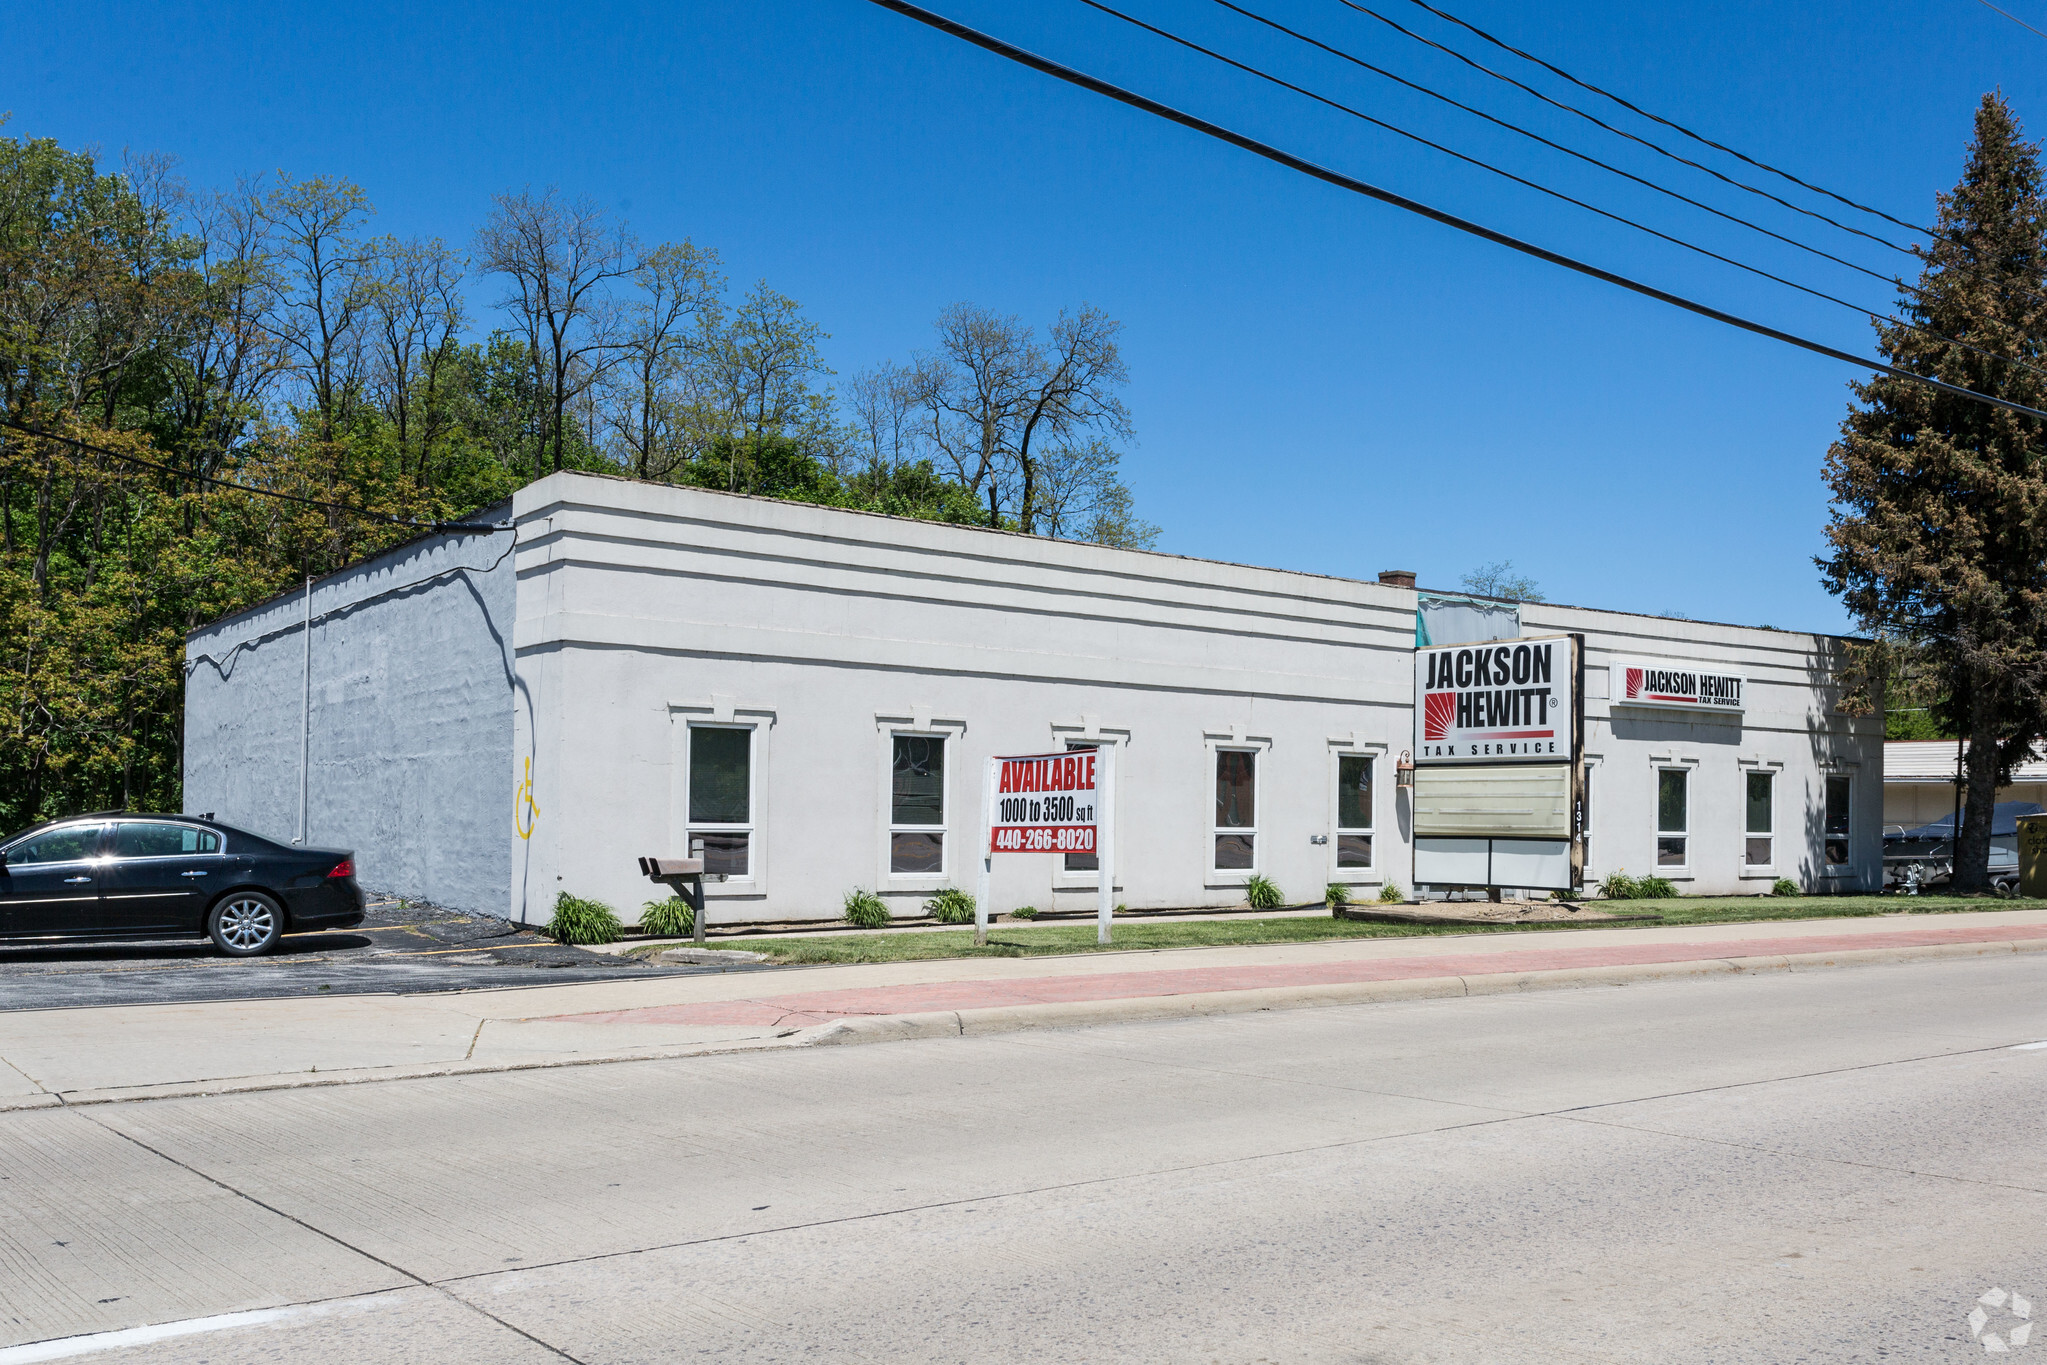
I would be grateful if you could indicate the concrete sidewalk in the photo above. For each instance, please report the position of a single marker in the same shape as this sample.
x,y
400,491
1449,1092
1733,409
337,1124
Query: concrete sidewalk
x,y
96,1055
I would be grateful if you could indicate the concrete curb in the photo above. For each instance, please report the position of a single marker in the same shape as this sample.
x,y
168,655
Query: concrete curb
x,y
895,1028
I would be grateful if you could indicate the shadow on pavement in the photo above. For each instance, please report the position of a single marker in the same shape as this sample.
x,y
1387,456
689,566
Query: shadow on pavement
x,y
400,948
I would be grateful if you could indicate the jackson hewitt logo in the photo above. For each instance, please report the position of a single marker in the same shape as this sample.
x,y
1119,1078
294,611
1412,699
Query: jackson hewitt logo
x,y
2001,1320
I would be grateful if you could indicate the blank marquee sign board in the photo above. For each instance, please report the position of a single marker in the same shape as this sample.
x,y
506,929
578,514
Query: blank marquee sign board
x,y
1049,803
1498,782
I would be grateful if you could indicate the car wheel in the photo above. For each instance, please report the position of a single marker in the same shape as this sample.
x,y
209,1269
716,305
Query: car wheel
x,y
246,924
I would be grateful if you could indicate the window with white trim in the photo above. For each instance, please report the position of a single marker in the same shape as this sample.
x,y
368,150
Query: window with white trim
x,y
916,824
1673,816
1760,848
1236,810
1353,811
1839,789
721,798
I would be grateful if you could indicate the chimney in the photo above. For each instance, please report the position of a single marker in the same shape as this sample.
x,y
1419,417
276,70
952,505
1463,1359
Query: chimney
x,y
1397,578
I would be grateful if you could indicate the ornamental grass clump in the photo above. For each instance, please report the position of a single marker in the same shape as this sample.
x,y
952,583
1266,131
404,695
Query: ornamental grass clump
x,y
1024,912
951,906
580,922
1262,894
1655,889
1391,894
865,910
1335,894
1619,886
1784,886
671,918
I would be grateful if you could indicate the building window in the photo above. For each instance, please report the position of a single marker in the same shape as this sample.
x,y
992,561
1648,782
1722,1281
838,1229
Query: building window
x,y
916,835
1759,852
1084,862
721,799
1236,809
1353,811
1837,821
1671,817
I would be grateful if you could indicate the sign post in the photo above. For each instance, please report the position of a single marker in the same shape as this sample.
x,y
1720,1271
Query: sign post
x,y
1049,803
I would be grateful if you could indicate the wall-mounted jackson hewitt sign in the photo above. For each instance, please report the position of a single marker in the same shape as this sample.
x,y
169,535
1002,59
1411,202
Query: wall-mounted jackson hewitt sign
x,y
1506,701
1680,686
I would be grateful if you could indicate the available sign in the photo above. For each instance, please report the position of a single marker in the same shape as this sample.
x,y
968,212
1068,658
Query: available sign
x,y
1051,803
1045,803
1678,686
1506,701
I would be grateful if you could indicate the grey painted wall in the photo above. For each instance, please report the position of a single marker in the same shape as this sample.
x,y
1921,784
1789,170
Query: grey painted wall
x,y
411,718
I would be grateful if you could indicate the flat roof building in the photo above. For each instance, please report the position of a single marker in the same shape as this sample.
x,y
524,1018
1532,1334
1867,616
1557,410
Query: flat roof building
x,y
807,697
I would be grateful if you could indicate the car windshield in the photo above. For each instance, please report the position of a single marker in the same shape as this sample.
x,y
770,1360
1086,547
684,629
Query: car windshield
x,y
155,839
66,844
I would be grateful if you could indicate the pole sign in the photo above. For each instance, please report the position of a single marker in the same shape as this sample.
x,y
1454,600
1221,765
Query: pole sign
x,y
1045,803
1509,701
1051,803
1677,686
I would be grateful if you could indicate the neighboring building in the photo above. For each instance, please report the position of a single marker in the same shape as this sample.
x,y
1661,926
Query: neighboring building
x,y
808,695
1919,781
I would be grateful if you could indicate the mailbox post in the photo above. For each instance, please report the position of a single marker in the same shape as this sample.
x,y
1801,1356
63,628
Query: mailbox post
x,y
685,877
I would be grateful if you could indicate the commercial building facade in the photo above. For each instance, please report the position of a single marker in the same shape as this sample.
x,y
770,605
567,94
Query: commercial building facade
x,y
807,697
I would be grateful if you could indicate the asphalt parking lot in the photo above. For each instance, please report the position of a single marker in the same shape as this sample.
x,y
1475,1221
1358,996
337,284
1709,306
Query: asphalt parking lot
x,y
399,949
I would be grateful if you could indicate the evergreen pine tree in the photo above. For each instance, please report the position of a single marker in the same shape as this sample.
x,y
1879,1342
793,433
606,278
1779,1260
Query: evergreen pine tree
x,y
1939,525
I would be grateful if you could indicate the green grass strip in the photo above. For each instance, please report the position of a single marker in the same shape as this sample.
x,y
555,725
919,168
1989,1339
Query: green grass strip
x,y
1139,936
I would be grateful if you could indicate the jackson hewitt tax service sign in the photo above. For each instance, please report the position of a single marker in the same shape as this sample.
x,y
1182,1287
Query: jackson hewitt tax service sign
x,y
1045,803
1677,686
1507,701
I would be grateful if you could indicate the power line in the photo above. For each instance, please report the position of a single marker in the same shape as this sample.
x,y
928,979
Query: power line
x,y
1675,127
1699,137
1558,146
1544,189
1058,71
352,510
1594,119
2014,18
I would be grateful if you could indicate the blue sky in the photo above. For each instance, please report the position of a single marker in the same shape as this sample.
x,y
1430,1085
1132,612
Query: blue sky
x,y
1320,382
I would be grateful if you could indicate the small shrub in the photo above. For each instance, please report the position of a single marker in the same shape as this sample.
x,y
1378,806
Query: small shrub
x,y
951,906
579,921
1655,889
1619,886
1391,894
671,918
1335,894
865,910
1784,886
1026,912
1262,894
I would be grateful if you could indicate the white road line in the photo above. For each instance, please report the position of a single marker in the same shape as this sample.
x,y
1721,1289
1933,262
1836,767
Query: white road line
x,y
2029,1047
64,1347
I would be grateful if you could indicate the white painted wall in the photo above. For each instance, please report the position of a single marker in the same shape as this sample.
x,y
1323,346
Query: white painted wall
x,y
643,608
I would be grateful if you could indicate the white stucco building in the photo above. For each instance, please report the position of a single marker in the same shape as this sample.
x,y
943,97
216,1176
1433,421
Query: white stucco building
x,y
809,695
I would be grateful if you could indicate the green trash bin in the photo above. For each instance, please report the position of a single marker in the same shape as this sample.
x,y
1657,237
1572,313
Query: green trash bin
x,y
2033,855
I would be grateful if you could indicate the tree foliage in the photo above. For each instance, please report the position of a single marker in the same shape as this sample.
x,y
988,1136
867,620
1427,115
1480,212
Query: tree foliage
x,y
1500,580
164,348
1938,537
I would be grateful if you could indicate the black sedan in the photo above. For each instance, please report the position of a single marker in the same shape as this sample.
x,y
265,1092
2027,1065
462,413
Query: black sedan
x,y
121,875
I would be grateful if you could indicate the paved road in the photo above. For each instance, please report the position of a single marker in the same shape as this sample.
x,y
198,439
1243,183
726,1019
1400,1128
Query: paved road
x,y
399,950
1801,1168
